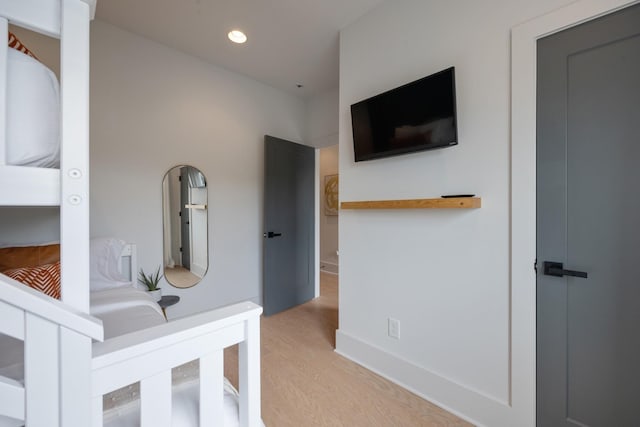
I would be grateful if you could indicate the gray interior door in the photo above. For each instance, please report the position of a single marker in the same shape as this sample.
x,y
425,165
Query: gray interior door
x,y
289,236
588,152
185,231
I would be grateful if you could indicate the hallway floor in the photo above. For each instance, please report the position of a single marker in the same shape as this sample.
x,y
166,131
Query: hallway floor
x,y
306,383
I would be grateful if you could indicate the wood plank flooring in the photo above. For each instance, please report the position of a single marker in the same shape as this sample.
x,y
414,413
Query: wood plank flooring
x,y
305,383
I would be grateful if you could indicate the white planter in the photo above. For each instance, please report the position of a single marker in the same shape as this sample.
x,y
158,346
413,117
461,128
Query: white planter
x,y
156,295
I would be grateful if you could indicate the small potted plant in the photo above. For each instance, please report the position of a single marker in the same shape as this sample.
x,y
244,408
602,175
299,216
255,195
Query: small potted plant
x,y
151,283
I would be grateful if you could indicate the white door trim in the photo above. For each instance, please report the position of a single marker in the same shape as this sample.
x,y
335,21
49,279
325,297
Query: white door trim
x,y
316,222
523,190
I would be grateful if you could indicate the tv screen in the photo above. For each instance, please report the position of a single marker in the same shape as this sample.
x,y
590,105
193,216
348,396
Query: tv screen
x,y
420,115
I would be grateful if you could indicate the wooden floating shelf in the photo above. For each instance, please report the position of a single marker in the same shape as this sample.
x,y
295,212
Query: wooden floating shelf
x,y
195,206
439,203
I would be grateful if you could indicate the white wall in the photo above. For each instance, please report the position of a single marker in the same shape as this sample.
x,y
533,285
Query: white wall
x,y
322,133
152,108
443,274
328,223
322,120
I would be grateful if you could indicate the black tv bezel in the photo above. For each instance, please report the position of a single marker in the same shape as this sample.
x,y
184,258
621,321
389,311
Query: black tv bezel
x,y
415,148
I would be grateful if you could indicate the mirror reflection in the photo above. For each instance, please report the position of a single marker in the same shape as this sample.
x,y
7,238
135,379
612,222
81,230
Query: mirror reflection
x,y
184,205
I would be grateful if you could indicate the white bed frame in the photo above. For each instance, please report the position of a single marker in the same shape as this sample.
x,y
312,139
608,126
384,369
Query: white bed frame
x,y
66,373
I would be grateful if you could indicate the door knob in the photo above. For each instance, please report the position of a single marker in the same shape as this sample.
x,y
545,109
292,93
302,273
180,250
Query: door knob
x,y
271,235
556,269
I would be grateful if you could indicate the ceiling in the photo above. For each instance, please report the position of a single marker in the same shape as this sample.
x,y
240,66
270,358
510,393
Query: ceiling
x,y
290,42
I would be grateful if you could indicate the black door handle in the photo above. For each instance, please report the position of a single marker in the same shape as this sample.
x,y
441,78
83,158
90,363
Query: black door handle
x,y
271,235
556,269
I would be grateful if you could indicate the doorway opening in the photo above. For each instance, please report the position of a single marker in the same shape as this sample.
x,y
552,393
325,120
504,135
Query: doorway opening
x,y
328,216
329,210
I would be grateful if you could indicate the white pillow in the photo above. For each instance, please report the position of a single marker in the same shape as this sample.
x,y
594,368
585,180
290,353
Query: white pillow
x,y
33,113
105,264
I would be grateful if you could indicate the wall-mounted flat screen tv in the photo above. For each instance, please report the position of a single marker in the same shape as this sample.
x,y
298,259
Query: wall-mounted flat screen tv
x,y
418,116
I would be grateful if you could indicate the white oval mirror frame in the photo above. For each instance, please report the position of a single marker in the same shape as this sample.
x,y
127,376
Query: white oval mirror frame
x,y
185,226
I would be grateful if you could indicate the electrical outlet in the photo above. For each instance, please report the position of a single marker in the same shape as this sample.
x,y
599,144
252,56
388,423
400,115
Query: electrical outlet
x,y
394,328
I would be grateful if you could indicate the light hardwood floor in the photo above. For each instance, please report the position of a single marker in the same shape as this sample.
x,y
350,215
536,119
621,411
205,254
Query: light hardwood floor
x,y
305,383
180,277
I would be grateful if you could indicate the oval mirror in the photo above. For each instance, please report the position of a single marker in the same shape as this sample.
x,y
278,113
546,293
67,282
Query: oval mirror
x,y
185,229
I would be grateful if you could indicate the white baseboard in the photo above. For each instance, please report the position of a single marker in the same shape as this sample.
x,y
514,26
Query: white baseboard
x,y
331,267
470,405
198,270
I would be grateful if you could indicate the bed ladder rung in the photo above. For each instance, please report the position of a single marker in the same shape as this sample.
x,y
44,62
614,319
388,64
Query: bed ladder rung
x,y
11,321
12,402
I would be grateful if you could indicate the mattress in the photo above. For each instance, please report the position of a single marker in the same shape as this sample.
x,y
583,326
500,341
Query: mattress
x,y
33,113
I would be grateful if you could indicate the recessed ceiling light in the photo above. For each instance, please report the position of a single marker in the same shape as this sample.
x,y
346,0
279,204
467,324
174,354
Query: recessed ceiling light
x,y
237,36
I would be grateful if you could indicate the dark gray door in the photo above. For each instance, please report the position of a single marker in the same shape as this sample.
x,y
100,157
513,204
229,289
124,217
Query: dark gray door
x,y
185,227
288,224
588,156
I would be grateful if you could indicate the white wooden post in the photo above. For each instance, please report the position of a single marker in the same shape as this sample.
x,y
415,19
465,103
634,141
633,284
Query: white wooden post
x,y
4,29
249,374
75,379
155,400
211,389
41,372
97,418
74,154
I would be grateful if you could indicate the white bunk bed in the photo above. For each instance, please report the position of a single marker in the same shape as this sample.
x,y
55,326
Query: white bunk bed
x,y
68,366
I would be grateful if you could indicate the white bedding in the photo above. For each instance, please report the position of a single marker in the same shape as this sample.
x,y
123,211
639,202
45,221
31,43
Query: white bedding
x,y
125,309
110,300
106,264
32,98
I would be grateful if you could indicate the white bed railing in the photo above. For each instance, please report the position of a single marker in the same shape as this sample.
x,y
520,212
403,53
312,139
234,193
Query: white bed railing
x,y
57,358
149,355
59,354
